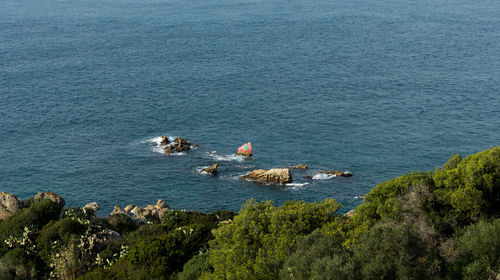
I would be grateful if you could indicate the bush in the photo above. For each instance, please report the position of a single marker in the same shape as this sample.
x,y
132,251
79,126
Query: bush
x,y
121,223
319,257
34,217
256,244
195,267
17,264
395,251
478,251
61,231
469,189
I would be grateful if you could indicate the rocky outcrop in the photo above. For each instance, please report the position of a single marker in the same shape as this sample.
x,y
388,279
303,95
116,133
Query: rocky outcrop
x,y
93,206
274,176
211,170
179,145
9,204
148,213
52,196
337,173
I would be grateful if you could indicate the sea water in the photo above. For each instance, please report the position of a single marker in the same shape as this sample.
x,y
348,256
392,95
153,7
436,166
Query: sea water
x,y
376,87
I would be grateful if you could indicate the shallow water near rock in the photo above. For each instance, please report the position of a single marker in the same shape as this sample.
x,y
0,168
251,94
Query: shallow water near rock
x,y
379,88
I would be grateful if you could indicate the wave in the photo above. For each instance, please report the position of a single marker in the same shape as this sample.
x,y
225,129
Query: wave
x,y
297,184
322,176
221,157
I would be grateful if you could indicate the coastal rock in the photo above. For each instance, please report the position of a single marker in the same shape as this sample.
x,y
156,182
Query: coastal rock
x,y
52,196
92,206
164,140
129,207
212,169
274,176
160,204
118,210
337,173
9,204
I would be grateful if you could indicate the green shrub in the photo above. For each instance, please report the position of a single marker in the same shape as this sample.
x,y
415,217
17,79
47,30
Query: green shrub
x,y
469,188
394,251
478,251
319,257
61,231
16,264
35,217
178,218
258,241
121,223
194,268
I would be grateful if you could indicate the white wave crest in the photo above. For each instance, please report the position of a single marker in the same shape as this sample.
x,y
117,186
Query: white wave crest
x,y
296,184
322,176
221,157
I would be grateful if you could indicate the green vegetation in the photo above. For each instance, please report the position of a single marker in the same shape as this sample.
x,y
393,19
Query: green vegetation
x,y
443,224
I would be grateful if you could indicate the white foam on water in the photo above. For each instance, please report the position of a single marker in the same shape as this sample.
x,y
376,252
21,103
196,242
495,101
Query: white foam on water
x,y
221,157
322,176
178,154
297,184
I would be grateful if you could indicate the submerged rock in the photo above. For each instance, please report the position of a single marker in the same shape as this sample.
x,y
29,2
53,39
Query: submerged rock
x,y
299,166
52,196
337,173
9,204
211,170
274,176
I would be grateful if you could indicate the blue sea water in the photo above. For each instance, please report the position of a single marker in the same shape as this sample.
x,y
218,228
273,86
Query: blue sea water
x,y
376,87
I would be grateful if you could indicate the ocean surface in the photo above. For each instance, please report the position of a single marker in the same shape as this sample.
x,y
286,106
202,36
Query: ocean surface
x,y
376,87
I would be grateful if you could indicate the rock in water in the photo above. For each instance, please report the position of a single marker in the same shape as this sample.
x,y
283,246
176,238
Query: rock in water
x,y
212,169
164,140
52,196
337,173
299,166
9,204
179,145
245,150
274,176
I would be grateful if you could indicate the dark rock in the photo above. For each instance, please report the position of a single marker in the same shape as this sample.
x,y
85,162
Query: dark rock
x,y
164,140
179,145
212,169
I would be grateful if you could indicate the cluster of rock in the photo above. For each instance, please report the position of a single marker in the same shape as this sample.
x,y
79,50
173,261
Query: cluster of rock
x,y
141,215
10,204
177,146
